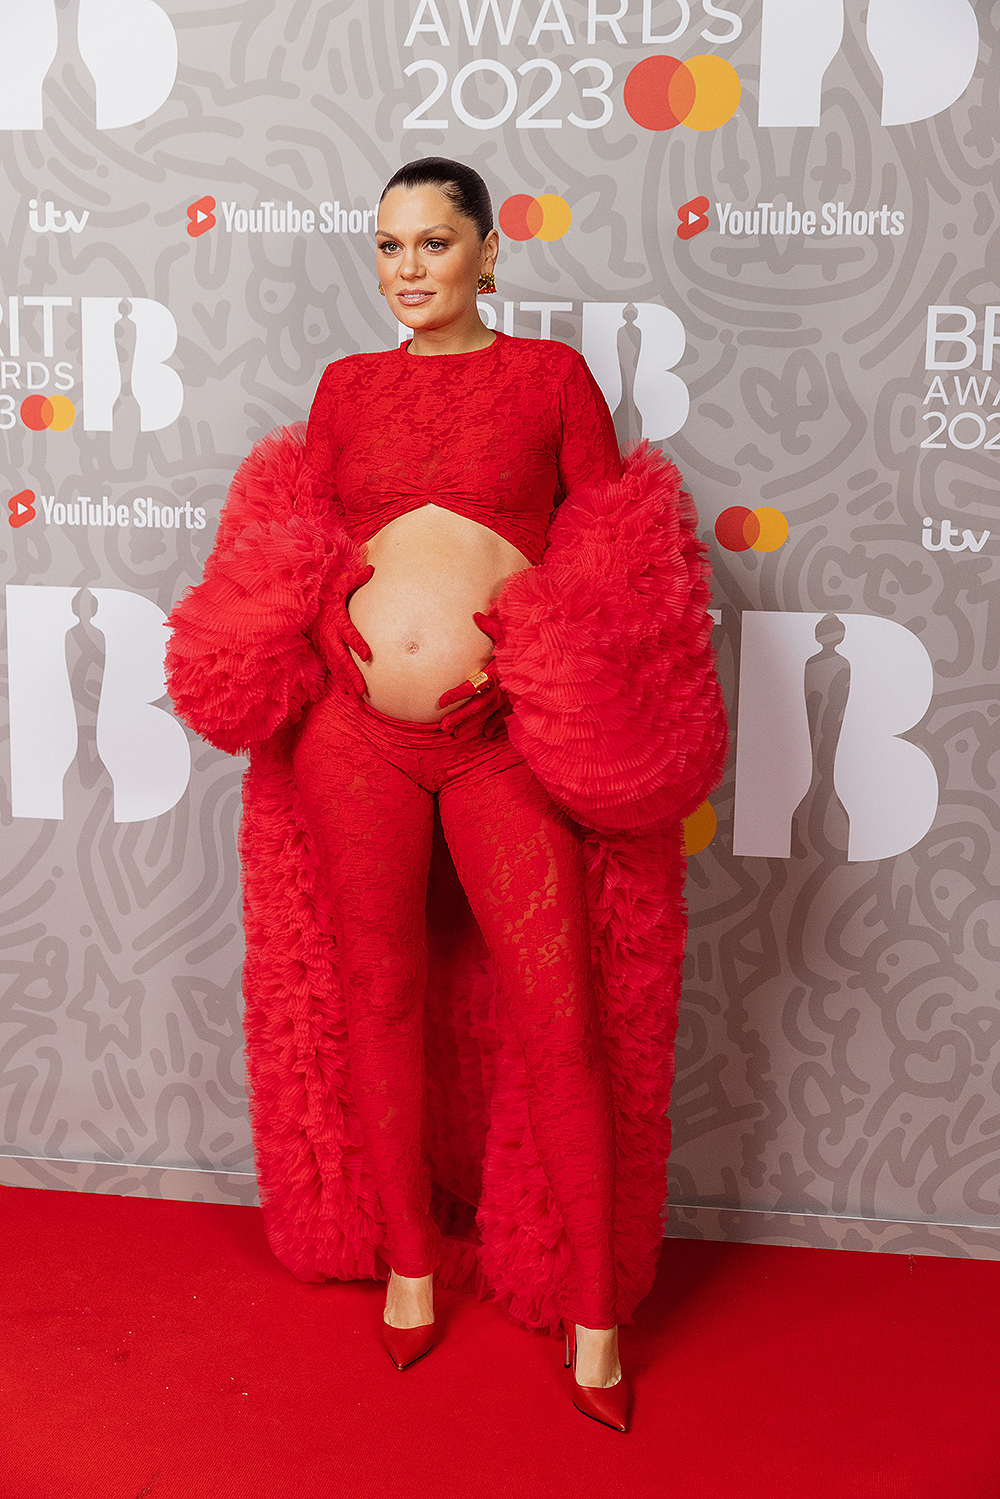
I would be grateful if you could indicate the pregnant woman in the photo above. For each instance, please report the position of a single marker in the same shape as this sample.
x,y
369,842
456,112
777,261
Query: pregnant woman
x,y
466,645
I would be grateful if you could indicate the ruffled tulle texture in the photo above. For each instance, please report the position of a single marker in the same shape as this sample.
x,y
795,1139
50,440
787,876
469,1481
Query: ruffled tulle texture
x,y
616,706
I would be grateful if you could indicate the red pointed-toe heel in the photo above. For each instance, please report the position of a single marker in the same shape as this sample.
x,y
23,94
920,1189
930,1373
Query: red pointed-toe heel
x,y
405,1345
609,1404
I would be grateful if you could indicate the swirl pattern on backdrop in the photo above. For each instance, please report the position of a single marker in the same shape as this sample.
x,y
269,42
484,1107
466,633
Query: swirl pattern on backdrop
x,y
772,231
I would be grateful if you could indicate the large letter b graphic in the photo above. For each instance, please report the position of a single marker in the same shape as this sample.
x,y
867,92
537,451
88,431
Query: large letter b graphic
x,y
143,747
926,50
128,46
156,387
887,786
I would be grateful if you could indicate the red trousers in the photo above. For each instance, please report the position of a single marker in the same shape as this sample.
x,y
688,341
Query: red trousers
x,y
367,784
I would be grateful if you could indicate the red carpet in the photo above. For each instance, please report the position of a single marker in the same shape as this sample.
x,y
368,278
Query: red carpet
x,y
156,1350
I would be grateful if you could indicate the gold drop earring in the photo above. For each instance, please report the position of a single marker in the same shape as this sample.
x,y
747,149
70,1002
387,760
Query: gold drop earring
x,y
486,282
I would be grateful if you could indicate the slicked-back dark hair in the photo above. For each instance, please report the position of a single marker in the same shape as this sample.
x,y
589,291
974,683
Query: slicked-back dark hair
x,y
461,185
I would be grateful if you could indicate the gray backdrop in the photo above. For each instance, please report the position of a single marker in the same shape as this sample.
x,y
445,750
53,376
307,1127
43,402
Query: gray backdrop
x,y
826,385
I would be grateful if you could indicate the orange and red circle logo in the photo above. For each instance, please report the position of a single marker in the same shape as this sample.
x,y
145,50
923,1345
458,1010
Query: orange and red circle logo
x,y
762,530
662,92
54,412
546,217
699,829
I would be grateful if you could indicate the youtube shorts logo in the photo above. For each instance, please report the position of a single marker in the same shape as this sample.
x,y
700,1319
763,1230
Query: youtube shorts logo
x,y
22,508
201,217
693,218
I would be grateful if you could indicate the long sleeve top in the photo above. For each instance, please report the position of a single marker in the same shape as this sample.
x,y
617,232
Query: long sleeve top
x,y
500,435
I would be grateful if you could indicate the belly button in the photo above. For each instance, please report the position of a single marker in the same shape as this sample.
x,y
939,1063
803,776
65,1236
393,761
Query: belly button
x,y
412,646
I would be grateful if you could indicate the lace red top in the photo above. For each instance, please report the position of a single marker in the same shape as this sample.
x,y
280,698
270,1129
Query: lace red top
x,y
499,435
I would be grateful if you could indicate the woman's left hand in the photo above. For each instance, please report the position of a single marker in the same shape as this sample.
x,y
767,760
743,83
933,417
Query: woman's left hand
x,y
487,699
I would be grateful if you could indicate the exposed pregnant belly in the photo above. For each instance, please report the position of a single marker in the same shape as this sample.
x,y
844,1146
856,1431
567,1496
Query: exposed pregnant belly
x,y
433,571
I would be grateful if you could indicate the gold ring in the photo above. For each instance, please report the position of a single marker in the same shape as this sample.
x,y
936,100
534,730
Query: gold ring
x,y
479,679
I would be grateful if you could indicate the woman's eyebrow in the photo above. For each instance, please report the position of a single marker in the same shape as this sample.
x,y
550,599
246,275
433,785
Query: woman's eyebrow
x,y
390,235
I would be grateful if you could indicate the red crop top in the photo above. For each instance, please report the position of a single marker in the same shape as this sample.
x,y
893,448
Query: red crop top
x,y
499,435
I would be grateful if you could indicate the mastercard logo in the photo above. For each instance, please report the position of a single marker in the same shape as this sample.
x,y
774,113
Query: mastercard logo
x,y
699,829
662,92
741,530
546,217
54,412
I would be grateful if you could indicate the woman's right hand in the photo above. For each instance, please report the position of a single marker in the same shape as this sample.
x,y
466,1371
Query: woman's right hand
x,y
336,634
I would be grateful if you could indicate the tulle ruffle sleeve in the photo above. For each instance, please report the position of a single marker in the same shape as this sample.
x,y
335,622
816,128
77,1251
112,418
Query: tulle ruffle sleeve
x,y
606,654
240,662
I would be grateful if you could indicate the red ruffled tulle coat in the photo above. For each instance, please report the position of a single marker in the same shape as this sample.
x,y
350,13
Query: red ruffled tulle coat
x,y
616,706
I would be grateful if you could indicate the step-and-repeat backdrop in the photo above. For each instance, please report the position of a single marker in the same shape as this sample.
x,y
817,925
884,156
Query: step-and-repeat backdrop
x,y
771,227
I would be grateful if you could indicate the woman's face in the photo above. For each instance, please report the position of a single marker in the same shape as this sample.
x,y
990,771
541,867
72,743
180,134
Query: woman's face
x,y
429,257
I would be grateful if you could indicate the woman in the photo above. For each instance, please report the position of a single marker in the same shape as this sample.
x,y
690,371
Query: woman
x,y
483,1099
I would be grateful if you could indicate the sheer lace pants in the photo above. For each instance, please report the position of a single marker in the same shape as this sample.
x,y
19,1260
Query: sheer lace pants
x,y
367,783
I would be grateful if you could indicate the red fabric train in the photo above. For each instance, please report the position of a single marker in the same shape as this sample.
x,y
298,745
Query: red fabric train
x,y
606,658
